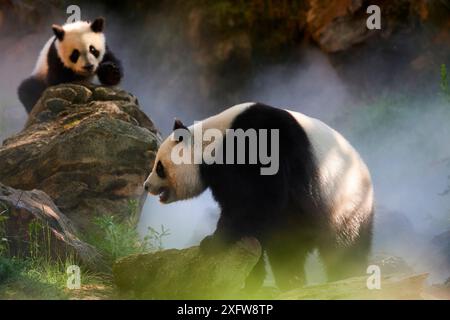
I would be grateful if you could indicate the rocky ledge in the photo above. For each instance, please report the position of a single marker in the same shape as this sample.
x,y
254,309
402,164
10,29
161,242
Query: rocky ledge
x,y
89,148
187,273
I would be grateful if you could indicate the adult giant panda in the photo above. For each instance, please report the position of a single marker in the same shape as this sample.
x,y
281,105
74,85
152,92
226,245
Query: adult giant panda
x,y
76,52
321,197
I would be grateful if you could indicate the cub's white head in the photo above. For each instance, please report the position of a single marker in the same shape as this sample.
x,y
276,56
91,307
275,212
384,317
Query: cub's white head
x,y
171,181
81,45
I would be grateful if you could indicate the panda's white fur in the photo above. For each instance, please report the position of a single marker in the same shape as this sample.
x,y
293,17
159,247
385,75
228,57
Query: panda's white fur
x,y
41,68
184,181
344,178
75,53
342,172
77,35
322,197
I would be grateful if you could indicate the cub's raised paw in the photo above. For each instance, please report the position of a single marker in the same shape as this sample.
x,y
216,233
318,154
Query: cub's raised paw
x,y
109,74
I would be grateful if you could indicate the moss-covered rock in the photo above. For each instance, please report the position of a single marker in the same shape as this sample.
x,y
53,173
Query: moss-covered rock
x,y
187,273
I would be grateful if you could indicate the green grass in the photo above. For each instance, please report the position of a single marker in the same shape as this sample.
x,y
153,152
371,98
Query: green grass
x,y
37,274
39,278
116,240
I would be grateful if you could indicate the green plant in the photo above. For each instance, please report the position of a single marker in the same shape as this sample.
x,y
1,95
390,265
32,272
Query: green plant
x,y
7,269
39,235
116,240
3,208
40,278
445,89
133,210
4,244
154,239
55,271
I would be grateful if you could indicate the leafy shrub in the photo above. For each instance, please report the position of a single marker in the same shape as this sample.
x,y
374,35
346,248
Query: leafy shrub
x,y
39,278
7,269
116,240
4,245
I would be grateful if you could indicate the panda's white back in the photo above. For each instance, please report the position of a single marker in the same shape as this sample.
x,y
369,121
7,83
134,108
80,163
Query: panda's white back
x,y
41,67
344,178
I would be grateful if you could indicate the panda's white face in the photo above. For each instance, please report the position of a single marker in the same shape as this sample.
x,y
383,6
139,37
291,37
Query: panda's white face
x,y
81,45
173,182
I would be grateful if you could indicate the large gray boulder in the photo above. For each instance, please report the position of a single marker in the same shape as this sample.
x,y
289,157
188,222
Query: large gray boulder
x,y
89,148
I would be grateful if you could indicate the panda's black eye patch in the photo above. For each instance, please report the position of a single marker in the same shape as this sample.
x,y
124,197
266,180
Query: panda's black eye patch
x,y
74,56
160,170
94,51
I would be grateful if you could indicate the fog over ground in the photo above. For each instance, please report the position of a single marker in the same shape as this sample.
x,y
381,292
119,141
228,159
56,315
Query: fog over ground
x,y
405,144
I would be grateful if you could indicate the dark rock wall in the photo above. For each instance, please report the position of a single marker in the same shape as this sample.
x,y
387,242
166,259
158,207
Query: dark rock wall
x,y
228,41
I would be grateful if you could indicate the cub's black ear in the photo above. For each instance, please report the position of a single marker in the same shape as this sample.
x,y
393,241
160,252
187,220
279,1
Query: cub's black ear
x,y
58,31
178,125
98,25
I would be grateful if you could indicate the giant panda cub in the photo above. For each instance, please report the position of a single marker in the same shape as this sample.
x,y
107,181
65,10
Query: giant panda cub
x,y
321,197
77,52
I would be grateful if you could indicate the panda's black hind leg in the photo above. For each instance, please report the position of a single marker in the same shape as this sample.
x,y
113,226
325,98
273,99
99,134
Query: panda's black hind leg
x,y
345,261
30,90
342,263
287,263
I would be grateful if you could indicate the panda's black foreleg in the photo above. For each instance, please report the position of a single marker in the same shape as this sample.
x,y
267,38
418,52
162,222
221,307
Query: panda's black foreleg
x,y
110,71
228,232
29,91
220,240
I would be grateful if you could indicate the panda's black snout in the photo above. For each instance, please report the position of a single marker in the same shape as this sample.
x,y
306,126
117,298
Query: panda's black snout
x,y
88,67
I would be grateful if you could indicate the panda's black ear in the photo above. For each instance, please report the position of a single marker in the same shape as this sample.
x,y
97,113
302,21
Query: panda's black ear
x,y
58,31
98,25
178,125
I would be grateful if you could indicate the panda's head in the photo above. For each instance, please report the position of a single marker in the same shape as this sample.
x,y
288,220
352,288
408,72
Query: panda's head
x,y
170,181
81,45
